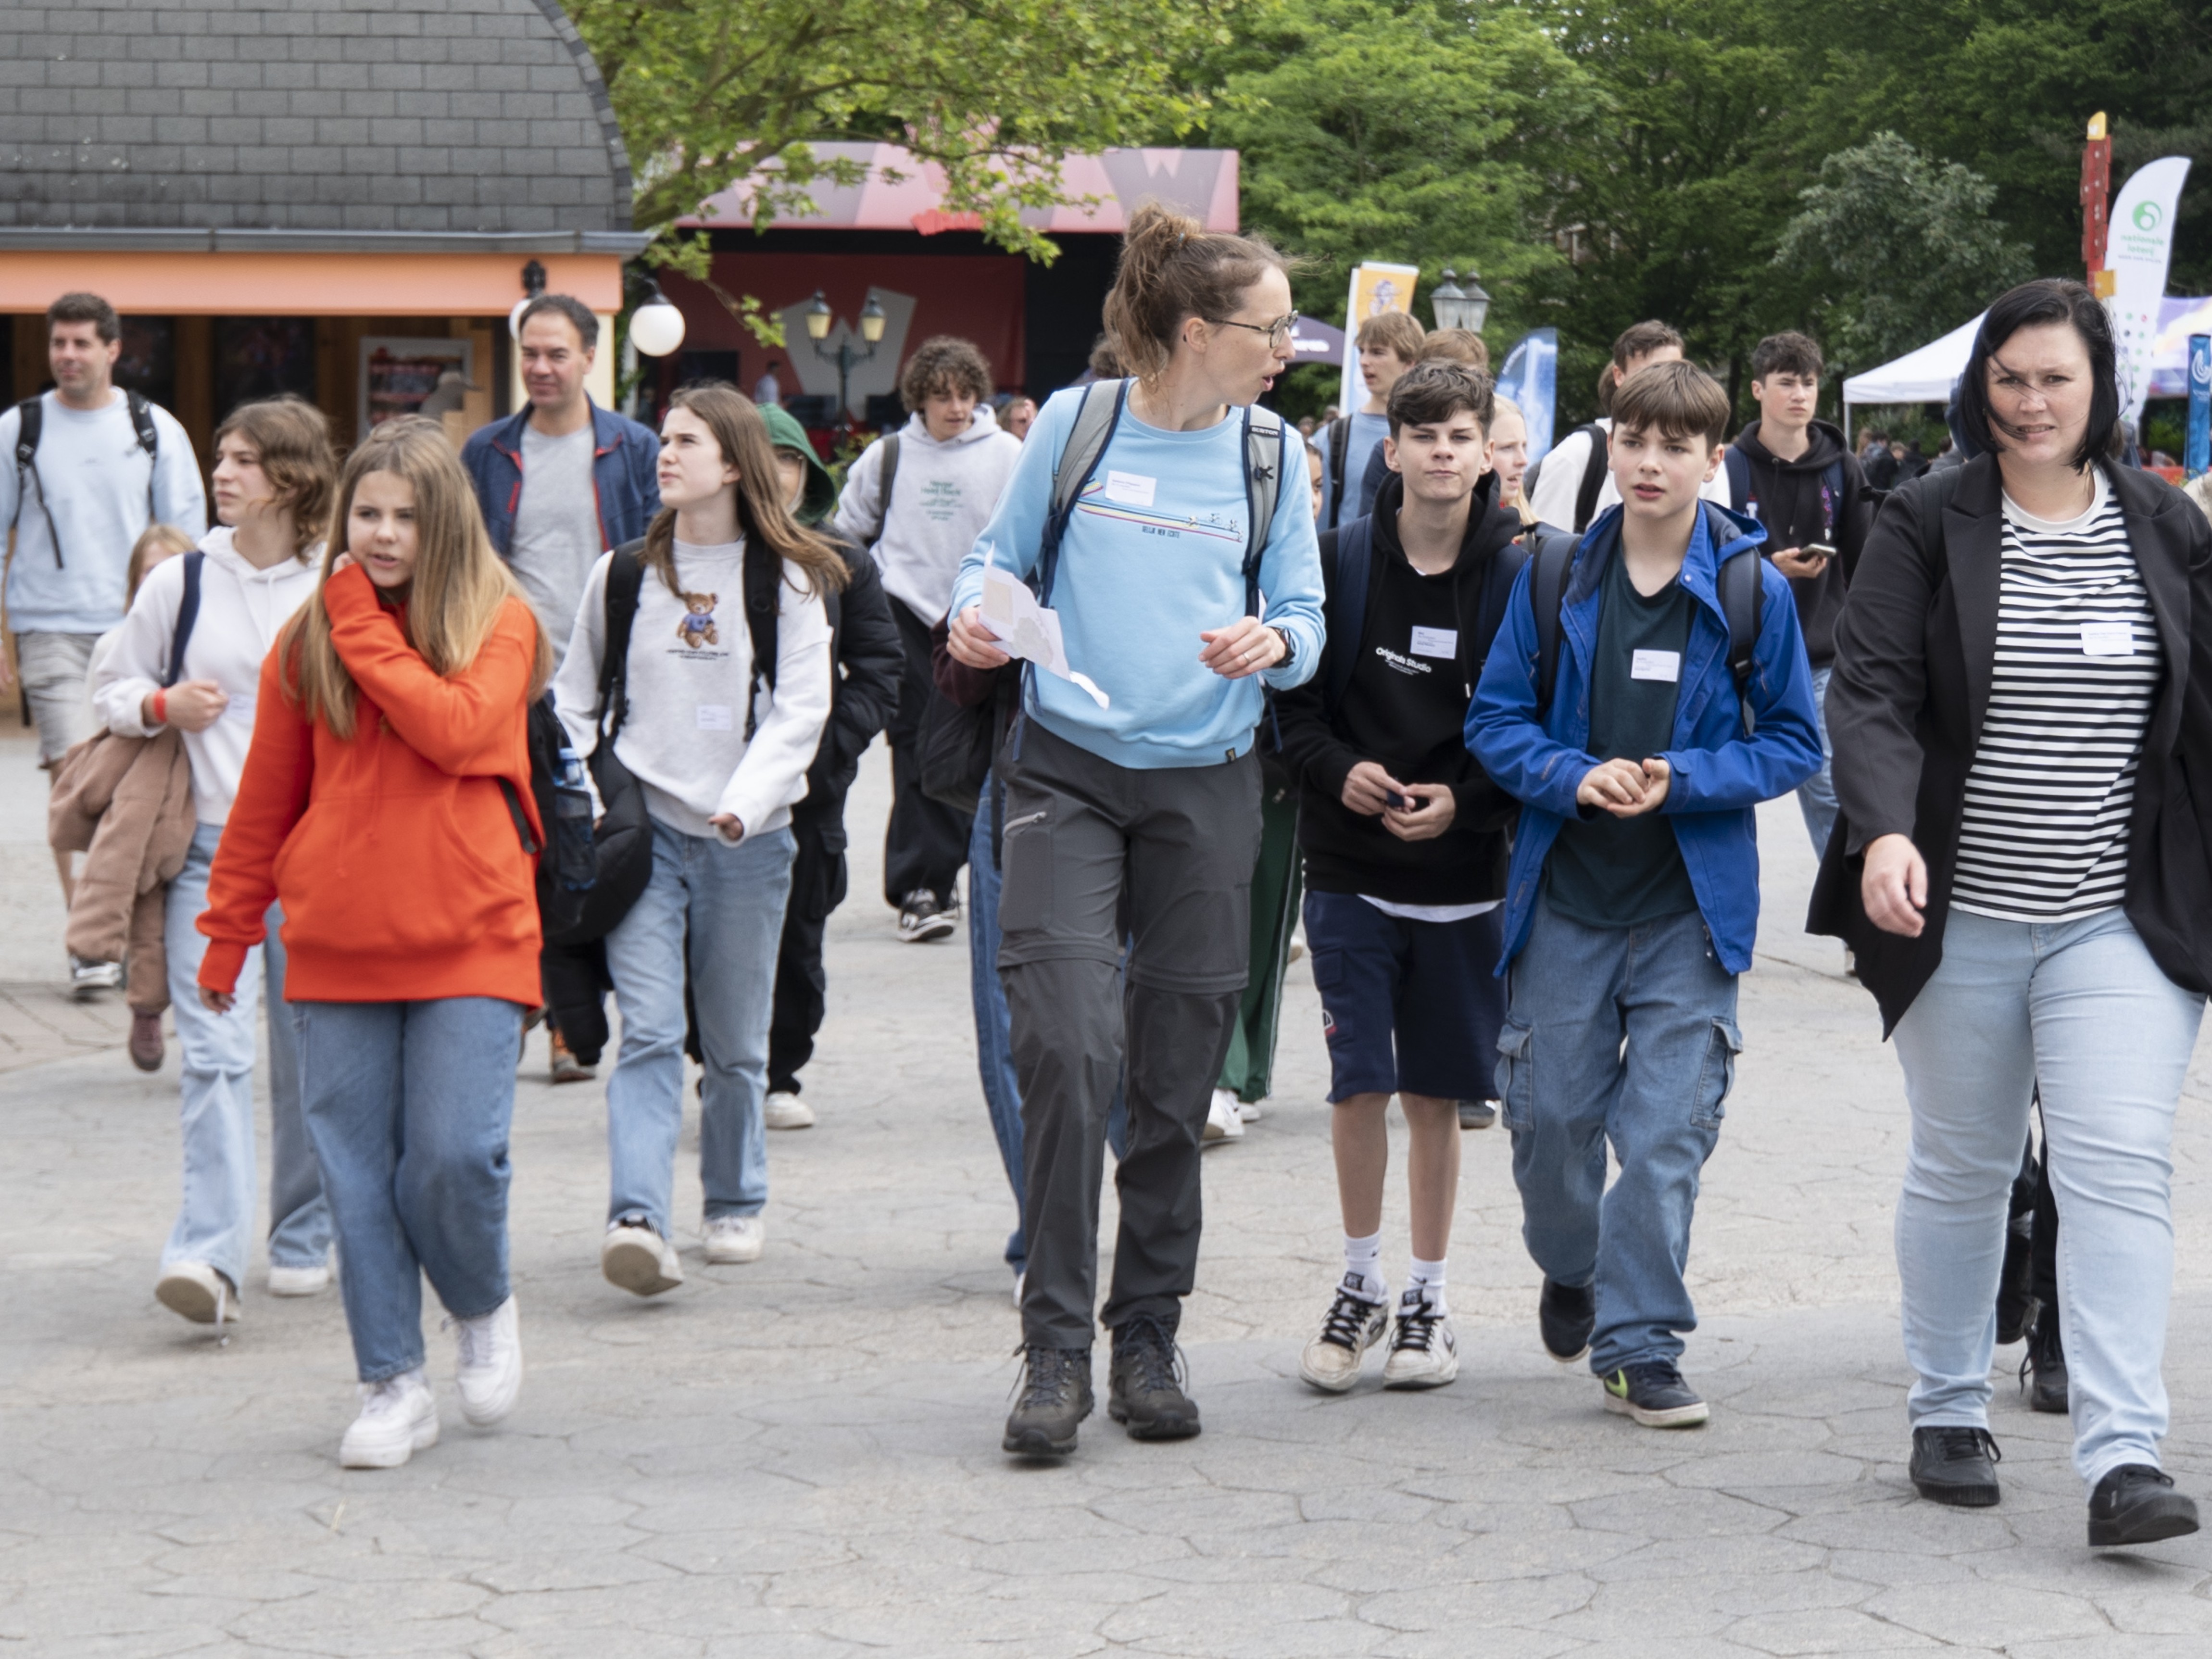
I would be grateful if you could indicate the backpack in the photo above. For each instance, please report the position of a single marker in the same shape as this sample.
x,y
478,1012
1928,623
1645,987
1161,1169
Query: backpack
x,y
1340,450
1349,555
1738,584
31,418
1738,478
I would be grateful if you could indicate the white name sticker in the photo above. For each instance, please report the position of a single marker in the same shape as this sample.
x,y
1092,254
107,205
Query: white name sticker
x,y
1130,489
1436,642
2107,639
1655,665
714,717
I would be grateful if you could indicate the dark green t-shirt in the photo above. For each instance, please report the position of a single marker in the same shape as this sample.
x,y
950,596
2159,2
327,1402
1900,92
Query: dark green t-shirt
x,y
1606,872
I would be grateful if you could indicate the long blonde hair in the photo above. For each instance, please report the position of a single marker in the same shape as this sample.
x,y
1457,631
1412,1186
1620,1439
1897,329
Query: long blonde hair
x,y
458,588
742,434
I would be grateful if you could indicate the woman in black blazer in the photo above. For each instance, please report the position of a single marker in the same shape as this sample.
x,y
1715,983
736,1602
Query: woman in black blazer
x,y
2018,709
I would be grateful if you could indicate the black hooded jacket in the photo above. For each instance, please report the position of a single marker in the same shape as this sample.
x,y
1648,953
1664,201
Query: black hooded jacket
x,y
1399,718
1792,500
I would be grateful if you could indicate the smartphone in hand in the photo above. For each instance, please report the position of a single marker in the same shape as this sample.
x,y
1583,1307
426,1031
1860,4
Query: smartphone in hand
x,y
1817,551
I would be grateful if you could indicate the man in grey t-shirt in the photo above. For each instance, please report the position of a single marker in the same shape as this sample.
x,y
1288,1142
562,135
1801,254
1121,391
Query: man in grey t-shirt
x,y
557,526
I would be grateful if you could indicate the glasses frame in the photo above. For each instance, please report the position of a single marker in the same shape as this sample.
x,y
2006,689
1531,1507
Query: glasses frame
x,y
1279,333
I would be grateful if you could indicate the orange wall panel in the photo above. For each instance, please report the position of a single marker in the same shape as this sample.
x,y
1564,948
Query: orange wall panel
x,y
304,284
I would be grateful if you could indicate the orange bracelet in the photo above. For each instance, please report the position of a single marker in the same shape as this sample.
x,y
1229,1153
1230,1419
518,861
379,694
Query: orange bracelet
x,y
160,705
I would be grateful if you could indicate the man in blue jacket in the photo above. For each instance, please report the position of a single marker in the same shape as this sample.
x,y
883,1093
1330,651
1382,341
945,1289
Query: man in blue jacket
x,y
1640,725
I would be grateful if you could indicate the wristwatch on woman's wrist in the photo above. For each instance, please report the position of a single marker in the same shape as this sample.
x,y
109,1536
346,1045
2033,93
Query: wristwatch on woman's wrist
x,y
1289,651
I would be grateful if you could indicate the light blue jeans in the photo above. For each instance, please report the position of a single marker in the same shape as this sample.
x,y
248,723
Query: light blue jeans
x,y
1625,1035
728,902
215,1222
2080,1009
1816,796
409,1103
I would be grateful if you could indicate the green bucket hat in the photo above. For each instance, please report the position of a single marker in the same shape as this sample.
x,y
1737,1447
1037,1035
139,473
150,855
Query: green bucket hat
x,y
819,498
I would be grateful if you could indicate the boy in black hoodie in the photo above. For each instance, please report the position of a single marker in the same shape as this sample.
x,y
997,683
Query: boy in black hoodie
x,y
1404,847
1795,476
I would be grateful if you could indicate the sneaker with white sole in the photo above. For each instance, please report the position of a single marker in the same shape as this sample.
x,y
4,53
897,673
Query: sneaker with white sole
x,y
1352,1325
489,1371
299,1281
198,1292
87,979
1250,1110
639,1260
735,1238
399,1417
1424,1347
1224,1120
922,918
783,1110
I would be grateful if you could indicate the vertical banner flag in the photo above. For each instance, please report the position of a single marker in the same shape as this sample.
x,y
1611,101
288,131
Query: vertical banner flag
x,y
1375,289
1530,378
2142,237
2196,455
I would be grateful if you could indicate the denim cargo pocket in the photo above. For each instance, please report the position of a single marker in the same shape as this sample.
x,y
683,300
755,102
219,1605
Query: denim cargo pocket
x,y
1516,1085
1025,867
1718,1076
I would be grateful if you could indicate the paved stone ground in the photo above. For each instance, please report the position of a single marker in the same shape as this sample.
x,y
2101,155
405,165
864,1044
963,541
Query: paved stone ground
x,y
800,1458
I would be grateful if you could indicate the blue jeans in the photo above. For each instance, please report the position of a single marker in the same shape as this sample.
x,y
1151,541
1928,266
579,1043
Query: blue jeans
x,y
214,1223
727,902
409,1104
1569,1085
2080,1010
1816,796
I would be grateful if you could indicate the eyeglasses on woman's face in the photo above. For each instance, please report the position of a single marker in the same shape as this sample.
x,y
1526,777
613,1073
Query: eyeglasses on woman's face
x,y
1279,332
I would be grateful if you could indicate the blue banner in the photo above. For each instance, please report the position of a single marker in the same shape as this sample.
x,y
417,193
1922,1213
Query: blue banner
x,y
2196,457
1530,378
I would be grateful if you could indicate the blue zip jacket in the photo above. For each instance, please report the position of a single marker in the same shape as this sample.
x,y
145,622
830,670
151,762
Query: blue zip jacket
x,y
625,481
1719,775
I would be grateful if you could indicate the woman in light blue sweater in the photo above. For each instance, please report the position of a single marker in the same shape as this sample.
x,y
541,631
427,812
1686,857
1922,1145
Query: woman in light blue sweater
x,y
1185,576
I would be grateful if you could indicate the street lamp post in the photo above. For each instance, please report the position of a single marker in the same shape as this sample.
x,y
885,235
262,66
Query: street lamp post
x,y
1460,307
818,319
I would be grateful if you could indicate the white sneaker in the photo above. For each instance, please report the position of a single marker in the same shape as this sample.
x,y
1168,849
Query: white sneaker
x,y
1424,1348
489,1374
198,1292
88,978
300,1281
639,1260
399,1417
1250,1110
1224,1120
1352,1326
786,1111
733,1238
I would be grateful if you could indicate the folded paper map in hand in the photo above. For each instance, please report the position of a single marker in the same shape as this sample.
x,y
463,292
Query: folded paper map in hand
x,y
1026,628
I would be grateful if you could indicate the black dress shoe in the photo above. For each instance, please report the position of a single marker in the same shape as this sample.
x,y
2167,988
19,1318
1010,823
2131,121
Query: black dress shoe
x,y
2137,1504
2044,1370
1054,1400
1566,1316
1956,1466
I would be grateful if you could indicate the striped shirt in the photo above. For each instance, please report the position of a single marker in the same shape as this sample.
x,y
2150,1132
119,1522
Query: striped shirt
x,y
2044,836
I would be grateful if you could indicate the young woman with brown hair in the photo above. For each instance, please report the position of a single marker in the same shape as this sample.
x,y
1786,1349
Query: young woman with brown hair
x,y
387,805
720,744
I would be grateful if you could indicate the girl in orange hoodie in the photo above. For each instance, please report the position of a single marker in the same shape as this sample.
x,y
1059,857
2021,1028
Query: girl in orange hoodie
x,y
385,804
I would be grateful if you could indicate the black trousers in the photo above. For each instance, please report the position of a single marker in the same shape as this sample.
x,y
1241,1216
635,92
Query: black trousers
x,y
927,841
817,887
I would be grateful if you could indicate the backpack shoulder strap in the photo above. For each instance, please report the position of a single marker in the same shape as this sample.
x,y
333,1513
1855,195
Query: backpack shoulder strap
x,y
1266,453
188,613
1593,477
1340,450
625,584
1743,591
142,423
888,443
1096,416
1349,575
1738,478
764,574
1552,554
30,421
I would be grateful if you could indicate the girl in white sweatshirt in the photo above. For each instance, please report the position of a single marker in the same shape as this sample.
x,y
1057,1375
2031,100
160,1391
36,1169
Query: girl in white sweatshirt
x,y
722,758
273,475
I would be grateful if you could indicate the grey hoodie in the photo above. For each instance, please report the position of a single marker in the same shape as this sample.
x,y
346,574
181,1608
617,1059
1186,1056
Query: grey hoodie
x,y
942,497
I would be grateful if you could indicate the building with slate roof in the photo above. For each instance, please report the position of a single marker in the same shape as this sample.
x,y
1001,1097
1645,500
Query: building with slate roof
x,y
337,198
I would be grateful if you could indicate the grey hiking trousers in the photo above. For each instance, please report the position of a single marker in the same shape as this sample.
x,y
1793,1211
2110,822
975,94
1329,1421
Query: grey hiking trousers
x,y
1095,855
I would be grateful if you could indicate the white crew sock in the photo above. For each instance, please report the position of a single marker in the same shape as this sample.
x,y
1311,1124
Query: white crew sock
x,y
1363,1266
1427,1278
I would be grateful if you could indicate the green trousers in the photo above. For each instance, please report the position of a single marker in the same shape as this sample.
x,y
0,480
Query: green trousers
x,y
1277,884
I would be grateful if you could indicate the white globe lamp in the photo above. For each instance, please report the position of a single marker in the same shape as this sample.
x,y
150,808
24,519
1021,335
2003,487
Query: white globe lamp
x,y
656,328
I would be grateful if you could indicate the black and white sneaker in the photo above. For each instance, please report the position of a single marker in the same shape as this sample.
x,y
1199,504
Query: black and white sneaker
x,y
1352,1325
1424,1348
1653,1392
87,979
922,918
1477,1114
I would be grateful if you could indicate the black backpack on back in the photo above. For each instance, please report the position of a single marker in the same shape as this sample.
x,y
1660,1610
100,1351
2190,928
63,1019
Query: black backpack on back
x,y
30,425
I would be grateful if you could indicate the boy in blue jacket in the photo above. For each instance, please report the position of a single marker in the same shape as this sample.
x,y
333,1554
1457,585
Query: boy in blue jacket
x,y
1632,898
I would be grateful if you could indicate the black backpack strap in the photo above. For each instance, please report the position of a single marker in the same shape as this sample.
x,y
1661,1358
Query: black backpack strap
x,y
188,613
625,583
1340,450
1350,570
149,440
1739,476
1552,556
31,420
1742,592
885,475
763,575
530,842
1593,477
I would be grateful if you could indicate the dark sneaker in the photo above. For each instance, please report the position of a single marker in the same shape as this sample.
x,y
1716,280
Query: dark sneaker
x,y
1056,1398
1566,1316
2043,1373
2016,1282
2137,1504
1653,1392
1477,1114
922,918
1956,1466
1144,1383
1352,1325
